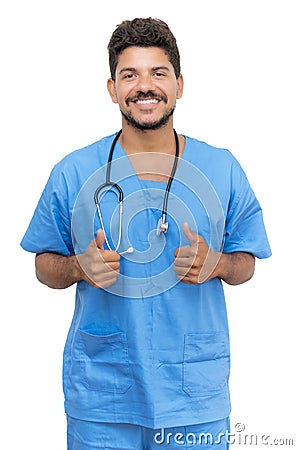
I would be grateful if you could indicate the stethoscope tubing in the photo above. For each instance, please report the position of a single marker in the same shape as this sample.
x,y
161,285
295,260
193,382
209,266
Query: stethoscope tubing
x,y
162,225
171,177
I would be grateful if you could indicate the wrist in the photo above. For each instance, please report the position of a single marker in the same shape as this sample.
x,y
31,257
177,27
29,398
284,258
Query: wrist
x,y
221,268
213,266
76,269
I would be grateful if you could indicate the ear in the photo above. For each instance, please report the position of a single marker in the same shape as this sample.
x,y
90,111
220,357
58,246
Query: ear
x,y
112,90
180,86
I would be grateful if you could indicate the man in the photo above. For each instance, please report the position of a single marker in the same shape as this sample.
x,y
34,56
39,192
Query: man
x,y
148,223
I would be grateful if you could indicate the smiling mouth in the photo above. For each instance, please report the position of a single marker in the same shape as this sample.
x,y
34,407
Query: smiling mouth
x,y
151,101
146,98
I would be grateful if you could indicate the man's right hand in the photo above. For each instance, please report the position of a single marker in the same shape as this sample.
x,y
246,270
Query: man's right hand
x,y
100,267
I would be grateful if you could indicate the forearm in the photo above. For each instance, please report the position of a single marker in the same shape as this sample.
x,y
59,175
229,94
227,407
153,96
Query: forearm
x,y
235,268
57,271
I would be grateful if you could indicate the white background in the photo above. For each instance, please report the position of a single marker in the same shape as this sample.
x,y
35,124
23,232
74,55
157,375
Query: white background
x,y
239,65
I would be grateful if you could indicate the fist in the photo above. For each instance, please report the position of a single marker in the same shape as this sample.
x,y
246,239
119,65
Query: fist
x,y
100,267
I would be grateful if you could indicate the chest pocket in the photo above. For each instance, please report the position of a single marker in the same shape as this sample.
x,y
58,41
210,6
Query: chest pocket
x,y
206,363
104,362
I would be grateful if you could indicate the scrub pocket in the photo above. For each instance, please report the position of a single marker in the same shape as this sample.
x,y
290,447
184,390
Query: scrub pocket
x,y
104,362
206,363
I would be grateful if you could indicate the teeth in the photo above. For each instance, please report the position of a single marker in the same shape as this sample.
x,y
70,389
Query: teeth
x,y
147,102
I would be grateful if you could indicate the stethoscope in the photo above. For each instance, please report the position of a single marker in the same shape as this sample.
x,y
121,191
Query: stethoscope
x,y
162,226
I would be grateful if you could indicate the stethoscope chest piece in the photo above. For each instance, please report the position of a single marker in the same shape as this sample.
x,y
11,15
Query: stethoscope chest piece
x,y
162,226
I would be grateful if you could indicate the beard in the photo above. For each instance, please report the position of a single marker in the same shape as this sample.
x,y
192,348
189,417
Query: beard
x,y
156,125
144,126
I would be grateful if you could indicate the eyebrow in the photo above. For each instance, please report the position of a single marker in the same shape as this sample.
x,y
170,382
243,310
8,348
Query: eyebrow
x,y
127,69
133,69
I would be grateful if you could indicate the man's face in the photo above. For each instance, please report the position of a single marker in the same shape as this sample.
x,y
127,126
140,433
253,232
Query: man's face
x,y
145,87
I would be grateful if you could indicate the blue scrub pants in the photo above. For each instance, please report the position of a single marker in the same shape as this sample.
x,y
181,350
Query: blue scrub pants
x,y
83,435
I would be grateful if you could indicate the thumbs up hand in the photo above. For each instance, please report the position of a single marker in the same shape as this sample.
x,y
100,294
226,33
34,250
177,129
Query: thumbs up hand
x,y
99,267
195,263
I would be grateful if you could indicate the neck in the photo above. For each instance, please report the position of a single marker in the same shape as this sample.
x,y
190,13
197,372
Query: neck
x,y
151,152
148,141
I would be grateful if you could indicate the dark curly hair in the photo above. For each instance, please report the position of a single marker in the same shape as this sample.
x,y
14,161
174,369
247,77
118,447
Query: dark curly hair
x,y
143,33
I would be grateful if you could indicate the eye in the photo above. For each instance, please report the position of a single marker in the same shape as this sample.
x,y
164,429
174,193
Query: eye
x,y
159,74
129,76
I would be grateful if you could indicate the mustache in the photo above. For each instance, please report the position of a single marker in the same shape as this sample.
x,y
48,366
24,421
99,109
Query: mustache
x,y
146,95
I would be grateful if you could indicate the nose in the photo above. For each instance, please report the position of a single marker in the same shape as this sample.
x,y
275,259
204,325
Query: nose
x,y
145,83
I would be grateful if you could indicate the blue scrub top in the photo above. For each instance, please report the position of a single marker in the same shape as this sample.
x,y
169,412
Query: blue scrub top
x,y
148,350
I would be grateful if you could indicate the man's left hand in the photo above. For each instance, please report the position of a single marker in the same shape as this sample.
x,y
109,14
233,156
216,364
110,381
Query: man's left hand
x,y
195,263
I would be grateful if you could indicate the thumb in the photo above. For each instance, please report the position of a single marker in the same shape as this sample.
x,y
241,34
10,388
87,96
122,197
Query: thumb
x,y
190,235
100,239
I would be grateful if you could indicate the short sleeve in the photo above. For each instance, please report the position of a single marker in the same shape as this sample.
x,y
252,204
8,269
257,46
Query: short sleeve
x,y
50,226
245,229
